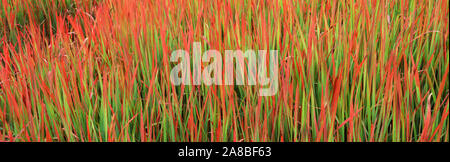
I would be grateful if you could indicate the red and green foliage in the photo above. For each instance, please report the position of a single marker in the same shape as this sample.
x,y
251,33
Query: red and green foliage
x,y
98,70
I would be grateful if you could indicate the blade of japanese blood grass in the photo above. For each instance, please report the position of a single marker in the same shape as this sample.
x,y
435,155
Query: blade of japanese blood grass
x,y
223,114
439,127
296,105
372,132
127,125
191,126
331,109
201,117
334,101
113,123
24,129
26,67
311,38
427,122
438,106
49,96
165,49
352,115
147,99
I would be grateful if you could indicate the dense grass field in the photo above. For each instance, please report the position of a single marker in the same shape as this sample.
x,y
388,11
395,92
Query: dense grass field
x,y
98,70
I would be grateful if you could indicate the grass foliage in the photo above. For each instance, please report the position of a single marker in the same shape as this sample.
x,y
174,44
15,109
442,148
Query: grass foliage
x,y
353,70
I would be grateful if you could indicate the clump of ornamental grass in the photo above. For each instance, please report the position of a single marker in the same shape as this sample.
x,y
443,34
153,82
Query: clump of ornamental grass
x,y
85,70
